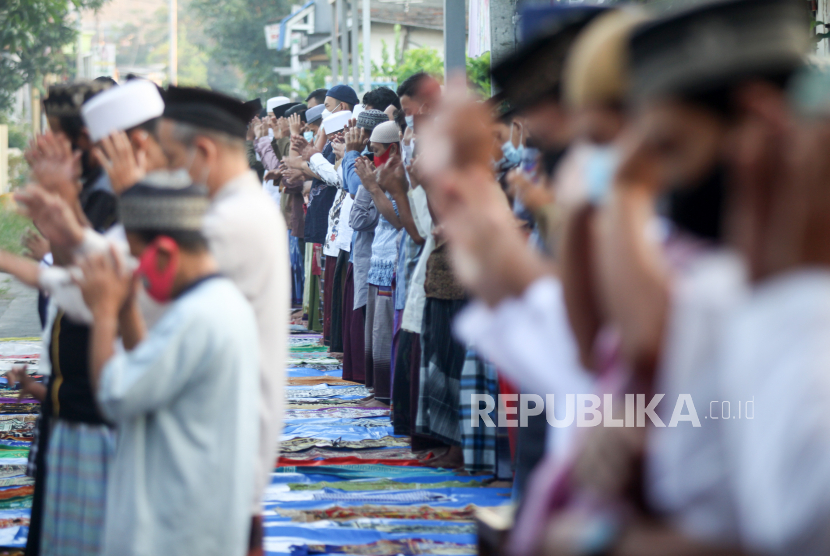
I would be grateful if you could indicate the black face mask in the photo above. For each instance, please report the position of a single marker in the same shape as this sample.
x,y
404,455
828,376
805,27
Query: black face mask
x,y
698,208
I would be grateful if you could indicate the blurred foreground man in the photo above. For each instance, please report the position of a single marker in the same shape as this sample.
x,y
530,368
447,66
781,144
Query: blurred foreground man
x,y
203,132
182,394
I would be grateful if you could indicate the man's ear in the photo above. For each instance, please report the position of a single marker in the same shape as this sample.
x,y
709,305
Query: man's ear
x,y
163,258
206,147
765,101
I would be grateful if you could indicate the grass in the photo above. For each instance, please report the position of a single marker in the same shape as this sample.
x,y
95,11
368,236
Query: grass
x,y
12,227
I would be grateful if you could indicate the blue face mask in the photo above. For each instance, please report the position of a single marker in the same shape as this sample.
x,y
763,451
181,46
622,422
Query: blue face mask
x,y
512,154
410,122
309,136
600,168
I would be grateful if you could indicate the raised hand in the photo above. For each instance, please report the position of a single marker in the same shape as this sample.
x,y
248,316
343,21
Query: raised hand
x,y
36,245
339,147
295,125
283,127
105,284
54,165
392,177
355,139
366,172
52,215
533,193
124,167
275,175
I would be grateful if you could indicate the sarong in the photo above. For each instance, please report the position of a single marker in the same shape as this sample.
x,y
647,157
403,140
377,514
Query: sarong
x,y
380,316
354,343
73,510
337,302
442,360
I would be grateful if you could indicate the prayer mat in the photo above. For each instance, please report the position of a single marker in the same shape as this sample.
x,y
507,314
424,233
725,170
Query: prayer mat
x,y
403,528
370,453
17,427
310,348
311,361
12,470
317,404
300,444
14,407
364,470
338,513
350,460
382,484
316,393
381,548
335,413
314,380
407,497
18,480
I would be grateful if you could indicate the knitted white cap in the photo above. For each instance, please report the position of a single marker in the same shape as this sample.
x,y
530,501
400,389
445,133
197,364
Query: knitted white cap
x,y
387,132
336,121
122,108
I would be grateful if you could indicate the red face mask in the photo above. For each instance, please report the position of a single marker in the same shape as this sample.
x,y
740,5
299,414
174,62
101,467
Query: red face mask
x,y
159,284
380,159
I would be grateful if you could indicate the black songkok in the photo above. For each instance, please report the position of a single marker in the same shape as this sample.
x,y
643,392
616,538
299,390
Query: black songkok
x,y
255,104
66,99
280,111
208,110
534,71
155,205
714,45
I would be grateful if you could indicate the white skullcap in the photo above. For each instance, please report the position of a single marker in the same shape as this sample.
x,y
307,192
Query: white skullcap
x,y
336,121
387,132
275,102
122,108
358,108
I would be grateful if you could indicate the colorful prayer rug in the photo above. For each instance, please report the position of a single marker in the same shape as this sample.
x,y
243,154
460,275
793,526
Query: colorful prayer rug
x,y
381,548
338,513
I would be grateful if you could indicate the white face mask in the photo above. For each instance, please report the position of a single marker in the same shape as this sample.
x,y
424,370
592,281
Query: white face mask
x,y
410,122
326,113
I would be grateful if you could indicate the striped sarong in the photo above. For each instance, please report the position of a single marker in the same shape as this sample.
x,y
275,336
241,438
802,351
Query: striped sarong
x,y
73,510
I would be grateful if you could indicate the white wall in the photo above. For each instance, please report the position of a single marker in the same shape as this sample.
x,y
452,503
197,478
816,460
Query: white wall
x,y
418,38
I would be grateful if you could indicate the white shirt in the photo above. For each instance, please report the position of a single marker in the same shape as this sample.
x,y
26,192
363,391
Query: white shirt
x,y
530,339
778,357
181,481
413,313
686,469
249,239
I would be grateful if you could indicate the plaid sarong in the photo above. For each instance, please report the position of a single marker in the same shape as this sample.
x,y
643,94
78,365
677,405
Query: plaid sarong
x,y
73,511
442,359
479,443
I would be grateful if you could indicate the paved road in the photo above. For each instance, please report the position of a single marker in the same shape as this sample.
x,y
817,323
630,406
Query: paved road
x,y
18,309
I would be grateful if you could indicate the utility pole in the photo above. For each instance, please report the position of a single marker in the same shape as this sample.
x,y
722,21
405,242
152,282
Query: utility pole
x,y
79,55
367,47
455,37
174,42
344,40
355,49
502,31
335,69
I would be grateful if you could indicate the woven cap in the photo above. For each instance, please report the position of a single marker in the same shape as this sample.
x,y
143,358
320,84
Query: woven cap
x,y
163,208
370,119
387,132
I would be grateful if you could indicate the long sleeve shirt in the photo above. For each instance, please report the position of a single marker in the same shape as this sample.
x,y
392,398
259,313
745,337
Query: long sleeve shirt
x,y
182,404
265,150
363,220
325,169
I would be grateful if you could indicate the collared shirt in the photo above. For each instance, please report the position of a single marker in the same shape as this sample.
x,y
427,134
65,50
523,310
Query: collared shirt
x,y
249,240
187,429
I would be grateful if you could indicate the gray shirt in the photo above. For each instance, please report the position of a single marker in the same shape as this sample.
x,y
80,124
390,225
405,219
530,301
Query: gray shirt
x,y
184,402
363,220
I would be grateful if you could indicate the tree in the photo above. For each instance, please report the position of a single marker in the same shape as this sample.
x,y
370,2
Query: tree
x,y
235,29
33,34
478,73
420,59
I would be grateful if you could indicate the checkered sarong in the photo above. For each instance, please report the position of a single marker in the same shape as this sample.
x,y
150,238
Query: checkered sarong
x,y
76,485
479,443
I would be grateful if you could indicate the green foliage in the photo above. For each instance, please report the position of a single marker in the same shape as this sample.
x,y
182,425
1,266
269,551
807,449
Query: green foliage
x,y
12,227
420,59
32,36
478,73
235,33
312,80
